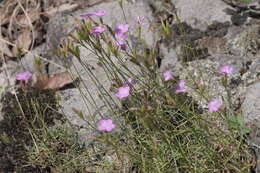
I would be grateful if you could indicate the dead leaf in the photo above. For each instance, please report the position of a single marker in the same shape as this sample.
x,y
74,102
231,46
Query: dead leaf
x,y
55,82
23,20
4,47
23,41
4,19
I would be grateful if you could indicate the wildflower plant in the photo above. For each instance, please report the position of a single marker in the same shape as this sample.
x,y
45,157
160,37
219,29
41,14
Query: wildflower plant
x,y
164,130
159,128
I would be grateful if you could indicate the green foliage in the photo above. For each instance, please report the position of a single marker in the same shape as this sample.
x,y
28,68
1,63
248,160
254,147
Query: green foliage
x,y
246,1
236,122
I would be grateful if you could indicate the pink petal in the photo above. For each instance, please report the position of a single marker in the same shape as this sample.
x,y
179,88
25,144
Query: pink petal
x,y
180,87
121,28
96,30
139,20
226,70
167,75
123,92
24,76
105,125
99,14
214,105
180,91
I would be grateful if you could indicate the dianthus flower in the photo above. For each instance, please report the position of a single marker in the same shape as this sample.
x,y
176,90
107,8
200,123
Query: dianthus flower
x,y
139,20
167,75
226,70
98,14
97,30
214,105
123,92
180,87
121,28
120,35
24,76
106,125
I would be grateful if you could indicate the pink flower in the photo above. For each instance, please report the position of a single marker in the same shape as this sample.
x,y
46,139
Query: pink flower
x,y
226,70
96,30
180,87
167,75
121,28
120,31
24,76
121,44
214,105
139,20
123,92
105,125
120,36
129,81
99,14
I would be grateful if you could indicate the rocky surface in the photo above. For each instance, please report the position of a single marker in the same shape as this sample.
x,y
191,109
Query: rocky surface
x,y
219,32
199,14
251,105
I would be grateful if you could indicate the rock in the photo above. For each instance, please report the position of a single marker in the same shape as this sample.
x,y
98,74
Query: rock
x,y
200,13
8,73
251,105
28,61
223,44
244,40
169,60
251,112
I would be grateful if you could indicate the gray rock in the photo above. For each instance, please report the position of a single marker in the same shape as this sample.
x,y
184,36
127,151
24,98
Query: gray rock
x,y
169,58
200,13
251,105
251,112
8,73
28,61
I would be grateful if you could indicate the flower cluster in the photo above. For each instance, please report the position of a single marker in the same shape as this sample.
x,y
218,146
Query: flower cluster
x,y
107,125
213,105
179,86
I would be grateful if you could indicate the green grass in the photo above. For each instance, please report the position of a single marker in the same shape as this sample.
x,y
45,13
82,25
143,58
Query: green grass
x,y
246,1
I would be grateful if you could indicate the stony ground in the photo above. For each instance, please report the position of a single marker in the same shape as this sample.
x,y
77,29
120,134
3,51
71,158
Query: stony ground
x,y
220,31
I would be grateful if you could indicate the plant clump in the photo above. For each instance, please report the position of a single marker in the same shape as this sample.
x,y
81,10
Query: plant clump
x,y
24,114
